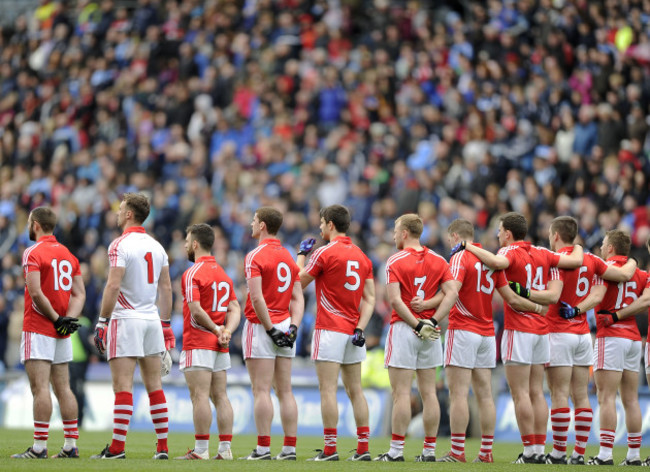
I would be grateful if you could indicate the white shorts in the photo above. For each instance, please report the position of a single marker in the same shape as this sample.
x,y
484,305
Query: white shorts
x,y
470,350
333,346
568,349
524,348
256,344
647,358
204,359
34,346
134,337
617,354
405,350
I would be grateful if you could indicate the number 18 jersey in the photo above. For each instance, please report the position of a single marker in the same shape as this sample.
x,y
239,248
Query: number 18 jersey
x,y
279,273
341,270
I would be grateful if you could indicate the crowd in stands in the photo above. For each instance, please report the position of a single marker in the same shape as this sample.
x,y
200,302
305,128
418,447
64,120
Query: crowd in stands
x,y
217,107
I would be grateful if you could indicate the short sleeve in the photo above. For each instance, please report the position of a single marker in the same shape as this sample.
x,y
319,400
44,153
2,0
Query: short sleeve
x,y
457,267
600,267
31,262
116,254
554,274
315,266
252,267
500,278
553,260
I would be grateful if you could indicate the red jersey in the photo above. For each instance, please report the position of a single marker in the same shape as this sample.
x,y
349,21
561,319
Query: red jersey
x,y
619,295
207,283
57,267
530,266
473,309
279,273
577,285
419,273
341,270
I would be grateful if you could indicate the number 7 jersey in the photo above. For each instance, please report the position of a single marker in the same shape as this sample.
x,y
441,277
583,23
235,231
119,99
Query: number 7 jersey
x,y
142,258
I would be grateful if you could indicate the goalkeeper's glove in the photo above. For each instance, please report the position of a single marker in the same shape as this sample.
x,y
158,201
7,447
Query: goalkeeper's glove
x,y
567,311
428,329
65,325
170,339
279,338
519,289
457,248
606,317
292,334
306,246
100,334
358,339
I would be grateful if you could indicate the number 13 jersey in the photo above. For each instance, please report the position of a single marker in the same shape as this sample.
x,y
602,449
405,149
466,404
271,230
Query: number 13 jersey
x,y
143,259
341,270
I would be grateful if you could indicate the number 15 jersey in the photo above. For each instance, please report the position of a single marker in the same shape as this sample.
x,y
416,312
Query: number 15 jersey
x,y
341,270
143,259
279,273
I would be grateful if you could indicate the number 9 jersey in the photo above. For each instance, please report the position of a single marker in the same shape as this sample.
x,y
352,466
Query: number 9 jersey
x,y
57,267
279,274
142,258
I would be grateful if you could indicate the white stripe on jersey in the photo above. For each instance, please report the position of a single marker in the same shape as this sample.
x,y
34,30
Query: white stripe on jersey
x,y
325,303
112,250
188,281
464,311
394,258
249,259
555,274
316,255
195,325
456,263
28,252
505,250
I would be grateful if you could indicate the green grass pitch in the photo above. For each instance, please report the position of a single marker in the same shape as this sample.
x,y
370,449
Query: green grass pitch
x,y
141,446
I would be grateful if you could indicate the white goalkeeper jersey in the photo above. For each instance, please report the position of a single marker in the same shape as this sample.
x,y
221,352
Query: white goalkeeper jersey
x,y
143,259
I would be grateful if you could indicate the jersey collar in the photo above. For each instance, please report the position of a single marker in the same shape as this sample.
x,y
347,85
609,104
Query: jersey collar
x,y
134,229
273,241
47,238
343,239
205,259
622,259
522,244
566,250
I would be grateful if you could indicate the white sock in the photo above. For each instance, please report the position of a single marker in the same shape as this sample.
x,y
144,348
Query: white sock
x,y
39,446
262,449
201,445
288,449
225,445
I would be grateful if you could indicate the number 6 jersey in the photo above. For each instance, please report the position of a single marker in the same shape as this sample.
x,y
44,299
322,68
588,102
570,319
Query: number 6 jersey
x,y
279,273
57,267
143,259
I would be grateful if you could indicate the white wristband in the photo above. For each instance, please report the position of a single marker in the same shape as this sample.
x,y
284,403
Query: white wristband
x,y
102,320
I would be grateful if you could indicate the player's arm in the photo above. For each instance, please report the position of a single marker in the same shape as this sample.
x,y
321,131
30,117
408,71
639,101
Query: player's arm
x,y
396,302
202,318
519,303
367,304
637,306
297,306
77,297
111,291
258,302
493,261
419,305
573,260
33,283
550,295
233,316
165,294
450,291
620,274
305,278
596,295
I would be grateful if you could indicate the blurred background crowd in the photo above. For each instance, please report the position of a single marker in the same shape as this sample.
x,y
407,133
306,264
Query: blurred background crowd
x,y
216,107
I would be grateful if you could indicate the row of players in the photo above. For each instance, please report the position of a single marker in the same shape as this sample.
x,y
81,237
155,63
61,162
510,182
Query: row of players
x,y
422,288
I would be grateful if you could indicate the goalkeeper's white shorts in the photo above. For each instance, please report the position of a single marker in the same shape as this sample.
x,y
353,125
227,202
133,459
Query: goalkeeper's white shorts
x,y
617,354
524,348
470,350
256,344
405,350
332,346
568,349
203,359
34,346
134,337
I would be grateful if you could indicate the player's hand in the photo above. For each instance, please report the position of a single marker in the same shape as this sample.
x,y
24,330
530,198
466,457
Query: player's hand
x,y
519,289
306,246
292,334
428,329
170,339
457,248
417,304
606,317
358,339
224,337
100,335
279,338
567,311
65,325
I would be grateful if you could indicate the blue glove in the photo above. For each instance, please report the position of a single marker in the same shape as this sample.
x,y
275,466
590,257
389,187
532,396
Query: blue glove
x,y
358,339
306,246
567,311
457,248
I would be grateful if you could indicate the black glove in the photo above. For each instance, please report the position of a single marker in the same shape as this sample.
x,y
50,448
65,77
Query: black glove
x,y
65,325
292,334
567,311
607,317
457,248
279,338
358,339
519,289
306,246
